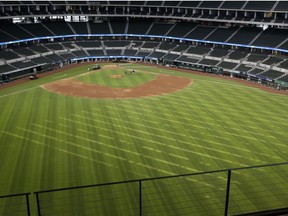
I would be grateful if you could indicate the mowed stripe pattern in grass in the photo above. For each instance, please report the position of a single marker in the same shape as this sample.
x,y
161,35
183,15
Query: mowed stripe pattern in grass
x,y
117,77
50,141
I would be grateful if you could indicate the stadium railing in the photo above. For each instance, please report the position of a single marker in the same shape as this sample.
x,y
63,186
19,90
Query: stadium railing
x,y
236,191
15,204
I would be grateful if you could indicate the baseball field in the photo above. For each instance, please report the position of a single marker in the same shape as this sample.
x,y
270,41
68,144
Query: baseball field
x,y
131,121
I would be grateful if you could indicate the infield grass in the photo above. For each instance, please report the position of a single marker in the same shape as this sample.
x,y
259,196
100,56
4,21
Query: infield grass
x,y
51,141
117,77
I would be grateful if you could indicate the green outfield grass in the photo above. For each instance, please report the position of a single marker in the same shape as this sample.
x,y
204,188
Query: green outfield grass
x,y
50,141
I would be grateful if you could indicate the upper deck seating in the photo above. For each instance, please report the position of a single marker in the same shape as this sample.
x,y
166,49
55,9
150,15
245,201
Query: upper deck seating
x,y
271,37
259,5
14,30
208,62
189,59
136,27
59,28
171,3
282,6
99,28
233,4
117,43
221,34
88,43
5,37
36,29
200,32
79,27
56,46
189,3
118,27
227,65
210,4
244,35
159,29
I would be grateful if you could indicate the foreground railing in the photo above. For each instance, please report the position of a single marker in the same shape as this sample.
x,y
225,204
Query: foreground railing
x,y
223,192
15,204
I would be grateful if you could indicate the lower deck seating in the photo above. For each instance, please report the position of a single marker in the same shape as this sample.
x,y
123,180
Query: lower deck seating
x,y
22,64
170,56
55,57
137,48
156,55
67,55
284,78
187,59
273,74
227,65
208,62
129,52
256,57
237,55
256,71
41,60
198,50
243,68
114,52
95,52
6,68
272,61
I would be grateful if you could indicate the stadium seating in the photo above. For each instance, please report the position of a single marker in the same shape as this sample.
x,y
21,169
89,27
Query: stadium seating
x,y
229,57
273,74
6,68
22,64
256,71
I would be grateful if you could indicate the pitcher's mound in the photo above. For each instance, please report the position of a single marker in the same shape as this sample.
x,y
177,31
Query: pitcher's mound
x,y
116,76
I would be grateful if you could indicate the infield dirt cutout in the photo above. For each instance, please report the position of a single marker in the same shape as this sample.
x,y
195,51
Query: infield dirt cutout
x,y
163,84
